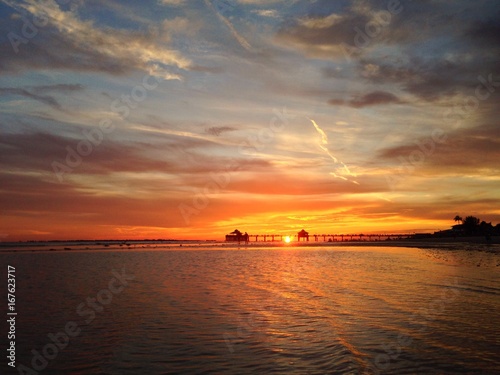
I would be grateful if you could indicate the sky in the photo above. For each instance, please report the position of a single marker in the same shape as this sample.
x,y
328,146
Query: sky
x,y
187,119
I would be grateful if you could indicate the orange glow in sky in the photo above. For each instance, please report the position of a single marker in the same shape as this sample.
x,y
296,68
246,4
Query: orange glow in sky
x,y
181,123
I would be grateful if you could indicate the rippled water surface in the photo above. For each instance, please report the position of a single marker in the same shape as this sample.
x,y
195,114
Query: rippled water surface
x,y
337,310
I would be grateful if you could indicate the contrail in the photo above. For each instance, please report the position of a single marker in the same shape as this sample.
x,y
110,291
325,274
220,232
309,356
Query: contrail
x,y
242,41
323,144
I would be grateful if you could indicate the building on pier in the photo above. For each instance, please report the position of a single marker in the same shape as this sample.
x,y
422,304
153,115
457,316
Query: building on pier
x,y
237,236
303,234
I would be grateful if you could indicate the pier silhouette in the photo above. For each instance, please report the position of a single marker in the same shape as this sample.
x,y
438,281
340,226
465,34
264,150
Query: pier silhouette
x,y
327,237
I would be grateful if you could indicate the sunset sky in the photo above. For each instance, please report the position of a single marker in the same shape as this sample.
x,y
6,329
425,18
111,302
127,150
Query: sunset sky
x,y
187,119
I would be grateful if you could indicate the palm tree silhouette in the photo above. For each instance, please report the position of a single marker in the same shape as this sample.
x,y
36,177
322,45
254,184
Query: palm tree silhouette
x,y
458,218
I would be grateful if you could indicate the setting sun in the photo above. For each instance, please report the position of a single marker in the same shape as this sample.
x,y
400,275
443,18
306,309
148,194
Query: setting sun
x,y
287,239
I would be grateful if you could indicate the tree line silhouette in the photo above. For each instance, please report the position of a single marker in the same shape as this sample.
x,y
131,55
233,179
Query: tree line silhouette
x,y
473,226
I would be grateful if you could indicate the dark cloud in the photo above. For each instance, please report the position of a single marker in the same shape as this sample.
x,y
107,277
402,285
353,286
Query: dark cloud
x,y
351,29
54,51
370,99
218,130
37,152
470,149
367,23
460,42
37,93
431,79
45,99
35,199
485,32
314,34
374,98
337,102
454,44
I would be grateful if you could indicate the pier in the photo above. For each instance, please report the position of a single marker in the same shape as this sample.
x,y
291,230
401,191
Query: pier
x,y
328,237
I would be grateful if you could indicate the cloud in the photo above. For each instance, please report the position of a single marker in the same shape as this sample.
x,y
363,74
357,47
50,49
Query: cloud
x,y
333,34
341,170
442,60
37,151
374,98
272,13
56,208
323,36
186,156
321,22
218,130
166,151
485,32
468,150
428,79
38,93
241,40
370,99
174,3
67,42
45,99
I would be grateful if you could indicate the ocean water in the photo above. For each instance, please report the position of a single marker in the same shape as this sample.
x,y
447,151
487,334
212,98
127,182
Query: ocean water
x,y
282,310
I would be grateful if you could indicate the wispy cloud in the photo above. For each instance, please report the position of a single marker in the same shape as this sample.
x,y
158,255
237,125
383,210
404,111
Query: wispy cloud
x,y
241,40
370,99
175,3
45,99
67,42
218,130
323,145
272,13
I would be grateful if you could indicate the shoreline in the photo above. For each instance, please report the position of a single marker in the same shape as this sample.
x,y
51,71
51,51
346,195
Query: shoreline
x,y
470,243
427,243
